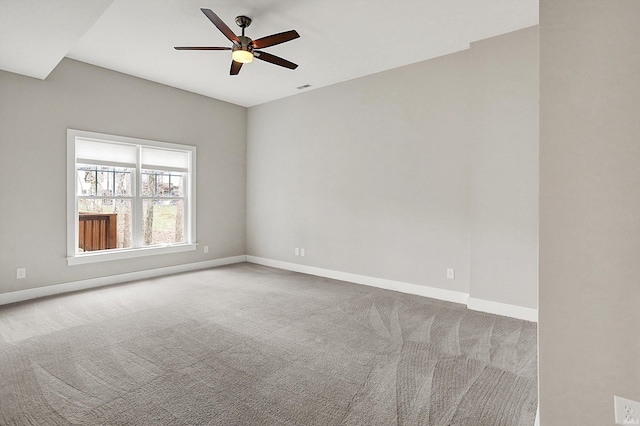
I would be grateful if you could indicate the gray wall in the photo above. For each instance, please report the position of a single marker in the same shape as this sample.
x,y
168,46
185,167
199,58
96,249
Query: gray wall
x,y
589,335
34,117
398,175
504,169
374,176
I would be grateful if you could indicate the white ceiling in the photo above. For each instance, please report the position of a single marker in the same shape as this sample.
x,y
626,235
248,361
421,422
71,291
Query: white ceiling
x,y
339,39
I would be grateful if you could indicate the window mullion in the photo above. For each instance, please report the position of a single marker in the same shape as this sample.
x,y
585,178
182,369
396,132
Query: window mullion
x,y
103,197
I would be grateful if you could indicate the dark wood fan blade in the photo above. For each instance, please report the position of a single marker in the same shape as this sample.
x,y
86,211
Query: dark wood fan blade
x,y
268,57
224,29
274,39
235,68
201,48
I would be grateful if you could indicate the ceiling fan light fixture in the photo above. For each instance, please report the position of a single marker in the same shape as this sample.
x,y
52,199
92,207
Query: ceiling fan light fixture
x,y
242,56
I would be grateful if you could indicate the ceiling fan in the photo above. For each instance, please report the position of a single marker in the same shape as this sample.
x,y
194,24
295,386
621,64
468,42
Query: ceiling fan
x,y
244,49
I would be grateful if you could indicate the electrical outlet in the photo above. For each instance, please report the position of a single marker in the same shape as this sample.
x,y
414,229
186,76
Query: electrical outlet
x,y
206,249
627,411
21,273
297,251
451,273
301,252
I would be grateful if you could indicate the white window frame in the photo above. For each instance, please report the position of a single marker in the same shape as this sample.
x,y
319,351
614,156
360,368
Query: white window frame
x,y
75,258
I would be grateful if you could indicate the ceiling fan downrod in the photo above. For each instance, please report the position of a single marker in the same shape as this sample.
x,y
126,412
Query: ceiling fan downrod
x,y
243,22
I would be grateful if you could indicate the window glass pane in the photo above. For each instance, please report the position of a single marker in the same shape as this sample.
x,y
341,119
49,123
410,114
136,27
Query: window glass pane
x,y
159,183
163,221
103,181
103,224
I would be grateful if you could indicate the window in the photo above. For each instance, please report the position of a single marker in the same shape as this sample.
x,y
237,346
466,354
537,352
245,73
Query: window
x,y
128,197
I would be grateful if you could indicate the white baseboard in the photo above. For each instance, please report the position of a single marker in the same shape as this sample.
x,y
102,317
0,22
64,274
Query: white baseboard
x,y
32,293
513,311
475,304
481,305
420,290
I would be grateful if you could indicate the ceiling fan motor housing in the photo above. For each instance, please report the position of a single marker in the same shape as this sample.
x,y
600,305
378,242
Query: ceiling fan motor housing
x,y
245,44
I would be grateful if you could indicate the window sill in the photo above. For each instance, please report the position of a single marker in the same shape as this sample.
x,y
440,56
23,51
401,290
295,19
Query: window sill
x,y
102,256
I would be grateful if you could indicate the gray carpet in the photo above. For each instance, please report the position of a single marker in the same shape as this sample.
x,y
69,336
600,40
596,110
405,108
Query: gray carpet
x,y
250,345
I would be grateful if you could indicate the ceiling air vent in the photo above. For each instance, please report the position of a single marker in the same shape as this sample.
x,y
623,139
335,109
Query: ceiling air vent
x,y
304,86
